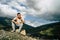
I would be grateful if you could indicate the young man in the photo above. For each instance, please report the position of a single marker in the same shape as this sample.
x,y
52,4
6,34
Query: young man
x,y
17,21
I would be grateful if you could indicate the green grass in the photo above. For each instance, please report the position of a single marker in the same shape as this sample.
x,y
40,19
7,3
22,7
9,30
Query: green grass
x,y
47,32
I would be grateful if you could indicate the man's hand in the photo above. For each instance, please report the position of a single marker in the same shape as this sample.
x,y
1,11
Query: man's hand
x,y
13,21
16,23
22,21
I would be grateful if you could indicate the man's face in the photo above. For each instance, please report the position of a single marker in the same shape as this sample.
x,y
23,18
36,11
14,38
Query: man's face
x,y
19,15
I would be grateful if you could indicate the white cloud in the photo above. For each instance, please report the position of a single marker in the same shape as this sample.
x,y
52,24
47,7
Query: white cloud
x,y
21,0
7,10
37,8
16,5
33,24
45,8
36,24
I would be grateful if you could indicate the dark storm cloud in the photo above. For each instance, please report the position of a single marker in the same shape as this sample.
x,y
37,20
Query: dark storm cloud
x,y
46,9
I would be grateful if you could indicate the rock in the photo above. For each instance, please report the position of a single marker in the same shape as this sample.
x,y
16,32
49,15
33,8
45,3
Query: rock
x,y
16,30
23,32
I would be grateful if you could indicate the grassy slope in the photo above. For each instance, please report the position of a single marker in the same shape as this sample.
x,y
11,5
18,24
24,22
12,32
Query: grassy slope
x,y
49,30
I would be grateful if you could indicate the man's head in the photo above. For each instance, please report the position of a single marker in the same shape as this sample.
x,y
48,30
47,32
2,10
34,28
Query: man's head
x,y
18,15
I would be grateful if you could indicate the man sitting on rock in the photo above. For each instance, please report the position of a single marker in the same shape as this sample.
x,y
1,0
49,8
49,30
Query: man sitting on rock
x,y
17,21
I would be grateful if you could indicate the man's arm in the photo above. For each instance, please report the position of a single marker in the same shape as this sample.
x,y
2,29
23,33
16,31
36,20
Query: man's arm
x,y
15,21
22,20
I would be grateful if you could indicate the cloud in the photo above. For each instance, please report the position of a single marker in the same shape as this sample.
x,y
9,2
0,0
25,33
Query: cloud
x,y
16,5
45,8
35,12
10,8
7,10
40,23
34,24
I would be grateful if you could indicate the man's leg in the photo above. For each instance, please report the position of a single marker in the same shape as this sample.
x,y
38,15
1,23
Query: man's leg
x,y
20,27
13,26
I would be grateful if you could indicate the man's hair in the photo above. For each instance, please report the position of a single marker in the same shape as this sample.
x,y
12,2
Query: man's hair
x,y
18,13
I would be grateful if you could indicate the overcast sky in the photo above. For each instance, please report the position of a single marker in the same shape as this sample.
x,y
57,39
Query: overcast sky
x,y
35,12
